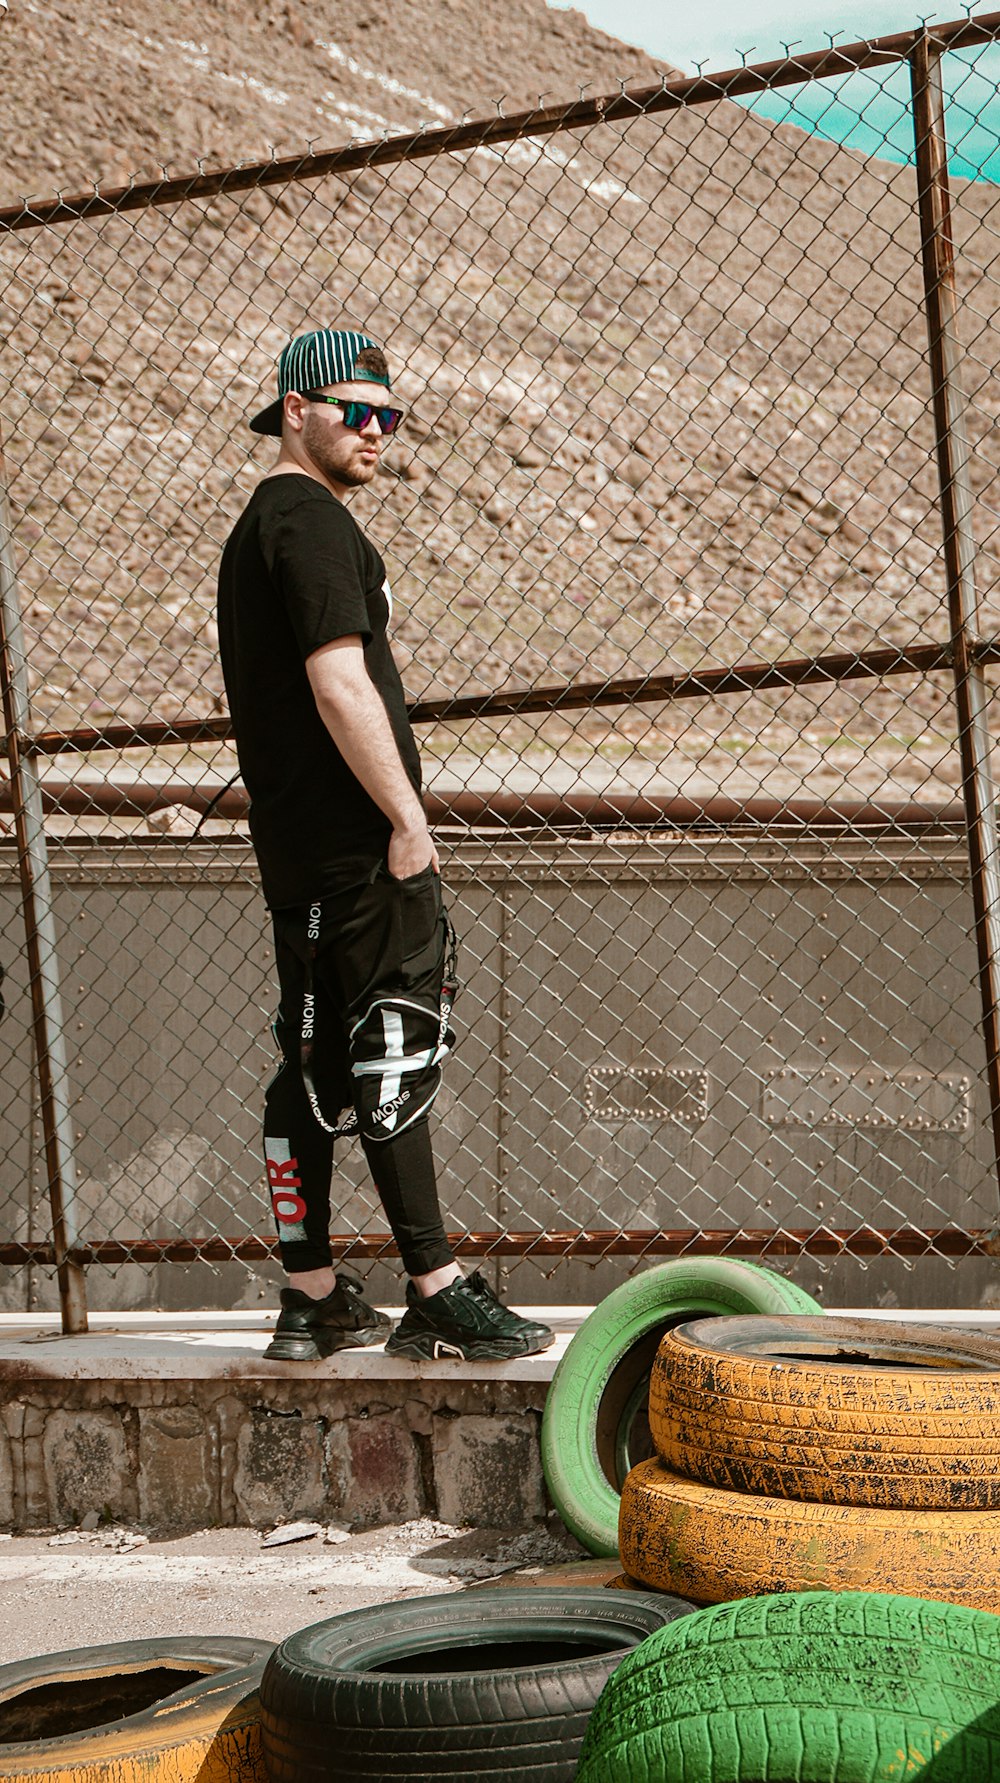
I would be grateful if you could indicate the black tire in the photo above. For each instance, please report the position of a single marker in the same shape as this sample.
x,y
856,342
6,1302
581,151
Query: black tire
x,y
171,1710
498,1684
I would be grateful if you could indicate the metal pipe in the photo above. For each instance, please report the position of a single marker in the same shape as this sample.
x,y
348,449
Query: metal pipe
x,y
528,810
634,810
747,677
949,406
746,1241
149,735
40,938
733,83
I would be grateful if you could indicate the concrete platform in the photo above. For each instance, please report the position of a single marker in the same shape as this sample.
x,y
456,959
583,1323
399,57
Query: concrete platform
x,y
171,1422
167,1422
230,1346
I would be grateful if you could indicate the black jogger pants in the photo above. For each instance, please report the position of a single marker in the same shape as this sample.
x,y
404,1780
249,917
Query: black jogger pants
x,y
362,1027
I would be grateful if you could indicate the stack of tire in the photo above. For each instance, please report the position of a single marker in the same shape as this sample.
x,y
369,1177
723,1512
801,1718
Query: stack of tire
x,y
595,1426
797,1454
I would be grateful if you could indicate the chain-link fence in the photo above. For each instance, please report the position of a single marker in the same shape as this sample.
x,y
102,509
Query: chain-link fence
x,y
695,395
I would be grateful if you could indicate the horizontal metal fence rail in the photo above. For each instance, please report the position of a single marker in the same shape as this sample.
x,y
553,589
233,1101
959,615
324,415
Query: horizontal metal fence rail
x,y
744,678
702,333
608,108
512,810
899,1241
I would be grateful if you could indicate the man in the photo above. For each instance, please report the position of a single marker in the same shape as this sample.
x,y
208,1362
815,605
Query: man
x,y
349,868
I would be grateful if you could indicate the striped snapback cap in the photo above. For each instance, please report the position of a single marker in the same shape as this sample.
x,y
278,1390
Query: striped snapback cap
x,y
326,356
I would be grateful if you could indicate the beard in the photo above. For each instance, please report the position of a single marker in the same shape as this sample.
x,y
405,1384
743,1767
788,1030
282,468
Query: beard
x,y
336,459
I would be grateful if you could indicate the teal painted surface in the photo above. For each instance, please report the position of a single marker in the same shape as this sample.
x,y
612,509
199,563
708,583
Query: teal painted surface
x,y
870,112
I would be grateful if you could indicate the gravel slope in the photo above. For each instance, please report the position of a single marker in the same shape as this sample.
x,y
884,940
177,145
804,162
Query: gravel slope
x,y
668,381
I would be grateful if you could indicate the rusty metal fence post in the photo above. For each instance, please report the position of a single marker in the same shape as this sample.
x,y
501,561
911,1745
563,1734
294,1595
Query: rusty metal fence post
x,y
40,938
953,457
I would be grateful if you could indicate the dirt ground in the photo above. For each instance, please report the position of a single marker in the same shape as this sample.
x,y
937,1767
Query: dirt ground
x,y
77,1590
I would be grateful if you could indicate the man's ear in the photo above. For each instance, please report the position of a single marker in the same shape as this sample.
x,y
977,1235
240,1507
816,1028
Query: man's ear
x,y
293,410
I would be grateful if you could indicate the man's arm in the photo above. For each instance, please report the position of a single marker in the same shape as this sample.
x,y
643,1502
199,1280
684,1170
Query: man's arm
x,y
352,710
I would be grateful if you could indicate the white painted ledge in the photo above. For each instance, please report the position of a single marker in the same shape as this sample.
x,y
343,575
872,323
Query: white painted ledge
x,y
207,1346
230,1346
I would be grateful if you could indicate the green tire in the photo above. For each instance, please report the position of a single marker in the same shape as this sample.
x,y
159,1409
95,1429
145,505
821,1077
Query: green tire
x,y
810,1687
601,1386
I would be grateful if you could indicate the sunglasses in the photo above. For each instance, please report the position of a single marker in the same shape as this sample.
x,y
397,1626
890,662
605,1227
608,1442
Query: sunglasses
x,y
358,414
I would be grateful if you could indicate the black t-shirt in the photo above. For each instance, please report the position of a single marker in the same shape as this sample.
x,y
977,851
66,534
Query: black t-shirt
x,y
297,572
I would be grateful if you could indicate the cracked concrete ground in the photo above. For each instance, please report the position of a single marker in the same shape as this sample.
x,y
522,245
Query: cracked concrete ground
x,y
60,1593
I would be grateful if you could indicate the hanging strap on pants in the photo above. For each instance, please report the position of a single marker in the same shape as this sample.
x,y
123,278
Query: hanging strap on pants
x,y
397,1046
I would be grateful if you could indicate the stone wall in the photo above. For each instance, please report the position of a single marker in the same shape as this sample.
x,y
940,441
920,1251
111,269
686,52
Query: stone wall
x,y
170,1456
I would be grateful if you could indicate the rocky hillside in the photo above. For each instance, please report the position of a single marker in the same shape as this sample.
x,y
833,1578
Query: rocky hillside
x,y
102,91
668,386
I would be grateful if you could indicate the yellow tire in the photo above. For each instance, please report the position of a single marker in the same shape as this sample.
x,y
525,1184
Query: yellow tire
x,y
173,1710
713,1546
838,1411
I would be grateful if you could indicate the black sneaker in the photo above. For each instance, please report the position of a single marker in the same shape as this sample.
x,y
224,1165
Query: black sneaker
x,y
308,1329
466,1320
